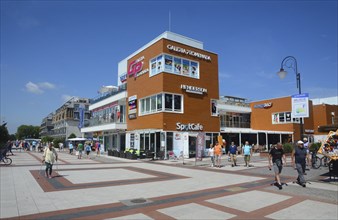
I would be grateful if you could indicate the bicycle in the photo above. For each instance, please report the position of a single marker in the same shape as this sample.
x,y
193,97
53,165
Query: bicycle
x,y
319,160
6,160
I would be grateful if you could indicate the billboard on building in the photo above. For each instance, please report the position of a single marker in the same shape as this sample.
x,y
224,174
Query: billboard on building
x,y
300,105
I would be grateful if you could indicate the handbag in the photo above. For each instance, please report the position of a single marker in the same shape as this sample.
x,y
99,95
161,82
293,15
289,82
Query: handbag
x,y
77,153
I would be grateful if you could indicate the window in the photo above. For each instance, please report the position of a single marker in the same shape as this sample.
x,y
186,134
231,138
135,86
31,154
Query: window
x,y
168,102
283,117
174,65
153,104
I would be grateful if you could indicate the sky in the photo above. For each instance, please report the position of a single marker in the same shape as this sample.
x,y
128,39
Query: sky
x,y
54,50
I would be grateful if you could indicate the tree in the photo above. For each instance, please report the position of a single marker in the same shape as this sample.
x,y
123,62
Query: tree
x,y
4,135
72,135
28,131
47,139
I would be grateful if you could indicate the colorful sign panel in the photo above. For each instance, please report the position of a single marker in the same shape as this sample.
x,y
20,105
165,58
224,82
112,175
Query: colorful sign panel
x,y
300,105
132,107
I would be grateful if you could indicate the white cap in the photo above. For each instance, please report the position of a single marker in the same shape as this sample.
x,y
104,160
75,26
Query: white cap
x,y
300,142
304,139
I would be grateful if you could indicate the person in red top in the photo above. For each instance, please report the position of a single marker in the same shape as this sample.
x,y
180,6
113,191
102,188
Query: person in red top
x,y
218,154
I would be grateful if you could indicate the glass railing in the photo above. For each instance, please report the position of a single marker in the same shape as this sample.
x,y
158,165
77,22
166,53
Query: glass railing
x,y
103,121
108,94
229,124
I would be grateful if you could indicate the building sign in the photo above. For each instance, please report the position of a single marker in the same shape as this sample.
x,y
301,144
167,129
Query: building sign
x,y
135,68
300,105
265,105
132,107
123,77
189,127
188,52
194,89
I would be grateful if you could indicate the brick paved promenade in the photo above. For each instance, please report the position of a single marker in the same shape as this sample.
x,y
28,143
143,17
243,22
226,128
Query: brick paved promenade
x,y
113,188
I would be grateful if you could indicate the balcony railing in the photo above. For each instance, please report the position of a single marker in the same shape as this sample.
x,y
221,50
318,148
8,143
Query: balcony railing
x,y
108,94
103,121
230,124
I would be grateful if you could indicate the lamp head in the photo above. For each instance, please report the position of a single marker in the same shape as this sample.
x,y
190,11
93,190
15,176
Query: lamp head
x,y
282,73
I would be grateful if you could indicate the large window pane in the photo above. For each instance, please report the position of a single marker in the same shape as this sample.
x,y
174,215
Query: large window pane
x,y
159,102
177,103
147,105
168,102
153,103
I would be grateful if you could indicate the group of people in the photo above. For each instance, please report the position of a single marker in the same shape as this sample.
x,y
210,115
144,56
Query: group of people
x,y
277,159
87,147
216,151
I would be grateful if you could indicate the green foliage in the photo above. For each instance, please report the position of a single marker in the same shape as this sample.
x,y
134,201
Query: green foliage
x,y
315,146
4,136
72,135
47,139
28,131
56,141
287,147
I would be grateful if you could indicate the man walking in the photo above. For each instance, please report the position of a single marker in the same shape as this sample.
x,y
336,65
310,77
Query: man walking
x,y
276,154
49,157
247,152
218,154
299,162
233,154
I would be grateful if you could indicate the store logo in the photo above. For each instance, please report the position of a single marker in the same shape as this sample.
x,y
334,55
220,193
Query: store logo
x,y
123,78
188,52
265,105
194,89
135,67
189,127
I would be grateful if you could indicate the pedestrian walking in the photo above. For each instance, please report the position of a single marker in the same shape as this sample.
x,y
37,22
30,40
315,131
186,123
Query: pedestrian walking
x,y
211,153
299,162
233,154
88,148
247,152
49,157
97,148
79,150
218,154
71,148
277,156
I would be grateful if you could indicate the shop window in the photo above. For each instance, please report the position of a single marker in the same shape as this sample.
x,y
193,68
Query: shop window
x,y
153,104
168,102
283,117
174,65
159,102
177,103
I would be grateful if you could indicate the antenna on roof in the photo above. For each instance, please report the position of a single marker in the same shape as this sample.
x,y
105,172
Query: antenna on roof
x,y
169,21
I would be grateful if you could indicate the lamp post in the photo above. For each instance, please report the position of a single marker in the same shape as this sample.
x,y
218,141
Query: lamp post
x,y
291,62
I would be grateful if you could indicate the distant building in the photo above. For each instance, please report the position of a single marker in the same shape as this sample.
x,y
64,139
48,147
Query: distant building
x,y
70,118
46,126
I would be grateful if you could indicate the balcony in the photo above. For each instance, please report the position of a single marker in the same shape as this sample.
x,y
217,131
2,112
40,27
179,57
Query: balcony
x,y
231,124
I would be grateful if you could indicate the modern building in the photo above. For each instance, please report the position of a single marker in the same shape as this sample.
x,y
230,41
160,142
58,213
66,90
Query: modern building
x,y
70,118
167,100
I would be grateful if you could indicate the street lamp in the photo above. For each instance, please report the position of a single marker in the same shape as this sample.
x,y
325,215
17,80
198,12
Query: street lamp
x,y
291,62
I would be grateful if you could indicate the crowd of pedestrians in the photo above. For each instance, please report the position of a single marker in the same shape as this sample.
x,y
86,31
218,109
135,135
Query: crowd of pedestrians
x,y
300,158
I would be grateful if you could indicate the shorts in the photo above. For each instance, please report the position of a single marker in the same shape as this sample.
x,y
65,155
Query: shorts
x,y
218,156
87,152
277,169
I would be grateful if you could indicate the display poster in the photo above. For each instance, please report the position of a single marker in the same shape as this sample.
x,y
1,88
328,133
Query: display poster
x,y
194,70
214,108
200,143
132,107
178,144
153,67
159,64
168,63
177,65
185,67
300,105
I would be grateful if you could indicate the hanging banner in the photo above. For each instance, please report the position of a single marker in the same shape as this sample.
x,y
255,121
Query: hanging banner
x,y
81,116
200,143
300,105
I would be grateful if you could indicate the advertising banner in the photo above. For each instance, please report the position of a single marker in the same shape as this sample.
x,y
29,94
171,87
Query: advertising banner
x,y
200,143
81,116
300,105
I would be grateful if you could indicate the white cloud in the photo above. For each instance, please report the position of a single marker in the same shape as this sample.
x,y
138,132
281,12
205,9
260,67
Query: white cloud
x,y
33,88
38,88
266,75
47,85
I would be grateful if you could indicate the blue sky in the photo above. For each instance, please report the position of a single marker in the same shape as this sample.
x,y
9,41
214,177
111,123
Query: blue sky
x,y
53,50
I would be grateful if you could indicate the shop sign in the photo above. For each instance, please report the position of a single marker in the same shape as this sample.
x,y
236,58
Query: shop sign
x,y
265,105
132,107
309,131
188,52
194,89
135,68
123,78
189,127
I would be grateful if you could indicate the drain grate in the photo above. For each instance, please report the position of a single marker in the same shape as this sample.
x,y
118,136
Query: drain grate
x,y
137,201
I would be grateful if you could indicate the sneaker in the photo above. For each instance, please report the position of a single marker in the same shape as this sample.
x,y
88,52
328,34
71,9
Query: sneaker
x,y
304,185
304,173
232,165
50,177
